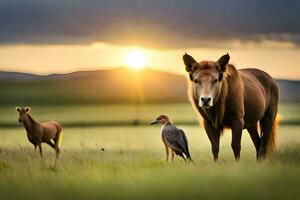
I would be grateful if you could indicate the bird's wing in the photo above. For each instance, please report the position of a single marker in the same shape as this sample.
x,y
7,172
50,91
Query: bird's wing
x,y
184,137
174,138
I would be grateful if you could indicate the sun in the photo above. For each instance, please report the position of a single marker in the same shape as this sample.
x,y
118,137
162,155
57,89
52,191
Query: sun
x,y
136,59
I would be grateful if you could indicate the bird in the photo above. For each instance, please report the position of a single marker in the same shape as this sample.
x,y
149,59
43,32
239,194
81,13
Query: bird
x,y
173,138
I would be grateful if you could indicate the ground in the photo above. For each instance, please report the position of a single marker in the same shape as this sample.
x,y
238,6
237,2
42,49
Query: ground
x,y
128,162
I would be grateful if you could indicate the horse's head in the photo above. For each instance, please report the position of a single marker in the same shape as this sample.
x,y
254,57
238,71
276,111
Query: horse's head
x,y
23,113
206,77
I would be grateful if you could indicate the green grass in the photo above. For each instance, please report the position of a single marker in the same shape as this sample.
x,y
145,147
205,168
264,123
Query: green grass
x,y
82,115
132,166
104,113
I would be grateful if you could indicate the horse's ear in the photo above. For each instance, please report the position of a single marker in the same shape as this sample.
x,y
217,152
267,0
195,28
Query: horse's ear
x,y
191,76
17,109
223,61
190,63
27,109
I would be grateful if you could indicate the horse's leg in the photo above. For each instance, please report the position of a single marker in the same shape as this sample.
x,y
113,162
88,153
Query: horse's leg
x,y
56,147
266,124
51,144
40,147
237,129
214,138
57,151
34,148
255,137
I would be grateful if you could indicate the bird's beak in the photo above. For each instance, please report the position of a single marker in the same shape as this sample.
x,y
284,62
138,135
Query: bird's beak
x,y
154,122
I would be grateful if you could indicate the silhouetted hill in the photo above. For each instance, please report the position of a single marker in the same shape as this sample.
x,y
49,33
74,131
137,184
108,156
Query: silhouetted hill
x,y
120,85
289,90
17,75
104,86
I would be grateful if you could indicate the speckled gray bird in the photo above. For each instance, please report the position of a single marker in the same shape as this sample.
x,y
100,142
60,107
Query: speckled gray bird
x,y
173,138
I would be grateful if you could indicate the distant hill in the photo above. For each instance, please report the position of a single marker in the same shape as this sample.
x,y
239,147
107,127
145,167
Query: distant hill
x,y
17,75
289,90
120,85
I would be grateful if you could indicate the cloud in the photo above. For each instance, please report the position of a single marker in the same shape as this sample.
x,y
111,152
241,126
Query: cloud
x,y
157,24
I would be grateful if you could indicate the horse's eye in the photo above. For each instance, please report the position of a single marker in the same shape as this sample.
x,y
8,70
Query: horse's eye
x,y
216,80
197,81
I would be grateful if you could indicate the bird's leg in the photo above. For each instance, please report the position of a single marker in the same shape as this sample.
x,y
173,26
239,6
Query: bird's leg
x,y
167,153
172,158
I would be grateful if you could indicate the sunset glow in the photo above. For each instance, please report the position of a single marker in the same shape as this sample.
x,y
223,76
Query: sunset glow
x,y
47,59
136,59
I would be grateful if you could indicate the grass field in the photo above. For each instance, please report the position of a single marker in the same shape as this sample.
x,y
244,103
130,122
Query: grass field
x,y
123,114
132,165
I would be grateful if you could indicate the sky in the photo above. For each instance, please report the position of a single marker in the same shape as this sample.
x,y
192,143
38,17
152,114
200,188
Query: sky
x,y
59,36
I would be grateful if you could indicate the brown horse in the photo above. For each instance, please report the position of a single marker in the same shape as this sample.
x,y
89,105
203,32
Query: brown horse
x,y
40,132
236,99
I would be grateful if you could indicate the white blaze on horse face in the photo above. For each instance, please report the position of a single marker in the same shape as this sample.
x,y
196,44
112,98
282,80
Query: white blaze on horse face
x,y
206,97
206,89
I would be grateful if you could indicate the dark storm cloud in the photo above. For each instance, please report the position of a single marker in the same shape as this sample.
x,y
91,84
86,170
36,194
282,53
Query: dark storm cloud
x,y
165,23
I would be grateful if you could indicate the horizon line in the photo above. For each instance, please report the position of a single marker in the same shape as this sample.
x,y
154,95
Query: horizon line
x,y
114,68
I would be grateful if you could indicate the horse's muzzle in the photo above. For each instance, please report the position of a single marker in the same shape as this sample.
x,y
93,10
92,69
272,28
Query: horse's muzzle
x,y
205,102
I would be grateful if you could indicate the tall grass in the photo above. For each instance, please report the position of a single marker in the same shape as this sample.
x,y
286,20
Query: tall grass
x,y
129,163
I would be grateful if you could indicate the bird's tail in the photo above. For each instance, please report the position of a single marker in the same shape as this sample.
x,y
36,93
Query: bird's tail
x,y
190,160
188,156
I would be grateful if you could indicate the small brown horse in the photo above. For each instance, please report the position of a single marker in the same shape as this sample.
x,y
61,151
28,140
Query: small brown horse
x,y
236,99
40,132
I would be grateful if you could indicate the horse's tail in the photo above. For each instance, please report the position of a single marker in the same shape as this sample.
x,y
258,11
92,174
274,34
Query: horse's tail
x,y
60,135
271,145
